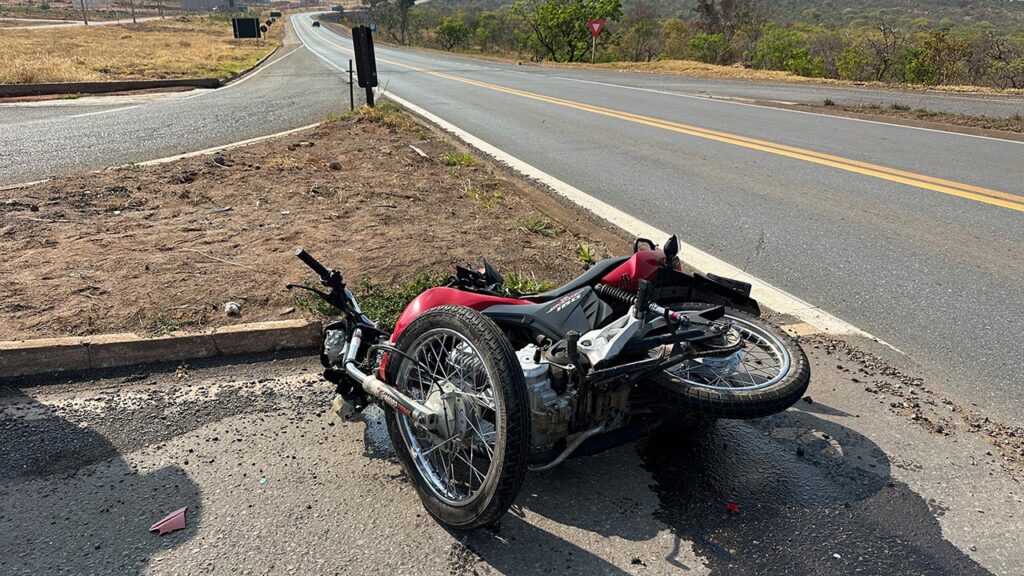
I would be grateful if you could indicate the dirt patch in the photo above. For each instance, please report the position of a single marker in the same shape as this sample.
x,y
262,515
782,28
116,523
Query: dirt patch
x,y
911,398
161,248
1009,124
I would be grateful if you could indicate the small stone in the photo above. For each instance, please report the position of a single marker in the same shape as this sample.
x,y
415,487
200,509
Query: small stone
x,y
808,399
232,309
837,556
335,165
287,311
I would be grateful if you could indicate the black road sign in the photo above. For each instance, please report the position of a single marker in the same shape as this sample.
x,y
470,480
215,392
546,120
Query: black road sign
x,y
366,63
246,27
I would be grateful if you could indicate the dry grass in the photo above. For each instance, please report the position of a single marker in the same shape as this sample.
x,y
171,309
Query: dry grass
x,y
184,47
738,72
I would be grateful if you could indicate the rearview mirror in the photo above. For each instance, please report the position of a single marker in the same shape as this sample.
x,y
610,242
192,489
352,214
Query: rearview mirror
x,y
671,250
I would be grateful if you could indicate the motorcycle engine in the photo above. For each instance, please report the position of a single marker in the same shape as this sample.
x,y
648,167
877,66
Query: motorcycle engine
x,y
550,411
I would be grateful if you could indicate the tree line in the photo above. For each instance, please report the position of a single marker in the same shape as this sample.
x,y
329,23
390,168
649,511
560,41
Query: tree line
x,y
726,32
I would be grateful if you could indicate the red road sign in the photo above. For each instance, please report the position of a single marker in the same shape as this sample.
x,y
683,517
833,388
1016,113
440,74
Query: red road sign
x,y
595,27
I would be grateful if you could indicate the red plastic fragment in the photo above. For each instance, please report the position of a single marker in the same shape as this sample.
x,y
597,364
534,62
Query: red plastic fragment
x,y
173,521
732,507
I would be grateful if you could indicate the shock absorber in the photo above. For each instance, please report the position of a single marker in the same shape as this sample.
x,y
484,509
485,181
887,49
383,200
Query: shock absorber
x,y
615,293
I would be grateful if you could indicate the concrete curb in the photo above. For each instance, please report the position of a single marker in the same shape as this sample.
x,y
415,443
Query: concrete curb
x,y
10,90
48,355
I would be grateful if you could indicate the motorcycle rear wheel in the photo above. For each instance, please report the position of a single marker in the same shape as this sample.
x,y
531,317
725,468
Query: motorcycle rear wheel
x,y
768,373
469,473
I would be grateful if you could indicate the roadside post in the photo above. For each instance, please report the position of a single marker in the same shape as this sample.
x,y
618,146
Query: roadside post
x,y
351,88
85,12
366,63
595,27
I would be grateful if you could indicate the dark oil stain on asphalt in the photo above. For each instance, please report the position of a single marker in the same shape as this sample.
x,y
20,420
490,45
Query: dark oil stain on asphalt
x,y
814,497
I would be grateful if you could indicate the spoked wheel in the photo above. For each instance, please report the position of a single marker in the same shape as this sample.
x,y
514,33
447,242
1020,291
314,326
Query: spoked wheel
x,y
754,369
468,469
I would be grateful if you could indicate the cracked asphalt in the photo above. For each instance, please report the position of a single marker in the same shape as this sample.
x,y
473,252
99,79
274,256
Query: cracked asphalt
x,y
274,483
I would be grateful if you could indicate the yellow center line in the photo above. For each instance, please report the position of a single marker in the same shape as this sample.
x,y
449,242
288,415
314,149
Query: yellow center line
x,y
968,191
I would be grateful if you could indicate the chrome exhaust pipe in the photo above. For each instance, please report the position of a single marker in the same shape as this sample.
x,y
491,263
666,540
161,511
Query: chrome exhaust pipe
x,y
420,414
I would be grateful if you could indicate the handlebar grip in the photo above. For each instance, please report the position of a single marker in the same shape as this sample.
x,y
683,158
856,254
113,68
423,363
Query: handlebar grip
x,y
308,259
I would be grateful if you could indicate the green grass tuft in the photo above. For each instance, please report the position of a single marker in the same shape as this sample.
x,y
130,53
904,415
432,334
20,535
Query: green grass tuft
x,y
538,225
517,285
457,159
385,303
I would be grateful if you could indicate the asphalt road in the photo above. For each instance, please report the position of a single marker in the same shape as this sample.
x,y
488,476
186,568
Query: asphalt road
x,y
931,272
276,484
38,140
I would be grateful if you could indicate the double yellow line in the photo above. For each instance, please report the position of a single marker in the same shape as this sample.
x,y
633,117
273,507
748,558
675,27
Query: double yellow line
x,y
971,192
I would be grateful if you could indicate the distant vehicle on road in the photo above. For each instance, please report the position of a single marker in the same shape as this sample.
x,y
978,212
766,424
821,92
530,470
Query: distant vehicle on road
x,y
316,23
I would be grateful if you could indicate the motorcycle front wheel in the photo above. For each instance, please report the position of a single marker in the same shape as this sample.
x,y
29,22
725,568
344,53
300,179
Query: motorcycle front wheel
x,y
766,373
469,469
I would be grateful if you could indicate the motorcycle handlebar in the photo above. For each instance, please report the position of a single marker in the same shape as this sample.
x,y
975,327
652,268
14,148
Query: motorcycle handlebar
x,y
317,267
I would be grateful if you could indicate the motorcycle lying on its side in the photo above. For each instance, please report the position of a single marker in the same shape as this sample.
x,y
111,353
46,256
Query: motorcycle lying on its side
x,y
477,388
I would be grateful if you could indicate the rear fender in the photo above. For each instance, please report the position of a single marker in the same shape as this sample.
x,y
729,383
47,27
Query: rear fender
x,y
675,286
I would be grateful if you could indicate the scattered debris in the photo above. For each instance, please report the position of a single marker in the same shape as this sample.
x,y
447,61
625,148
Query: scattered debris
x,y
636,561
287,311
219,210
181,371
732,507
263,480
420,152
173,521
232,309
808,399
837,556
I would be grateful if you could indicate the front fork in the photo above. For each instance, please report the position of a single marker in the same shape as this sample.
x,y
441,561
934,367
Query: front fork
x,y
421,416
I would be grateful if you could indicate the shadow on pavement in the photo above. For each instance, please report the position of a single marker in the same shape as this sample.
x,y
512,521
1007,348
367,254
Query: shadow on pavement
x,y
70,504
814,497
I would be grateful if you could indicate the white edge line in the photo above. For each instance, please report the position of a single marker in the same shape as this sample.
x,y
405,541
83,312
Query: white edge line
x,y
97,113
252,74
167,159
230,146
765,293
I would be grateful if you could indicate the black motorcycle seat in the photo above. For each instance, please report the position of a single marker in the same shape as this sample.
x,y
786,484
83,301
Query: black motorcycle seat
x,y
589,278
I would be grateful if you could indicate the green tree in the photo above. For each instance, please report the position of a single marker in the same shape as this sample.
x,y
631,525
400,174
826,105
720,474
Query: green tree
x,y
708,48
452,32
781,49
641,38
675,38
488,30
557,29
854,63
